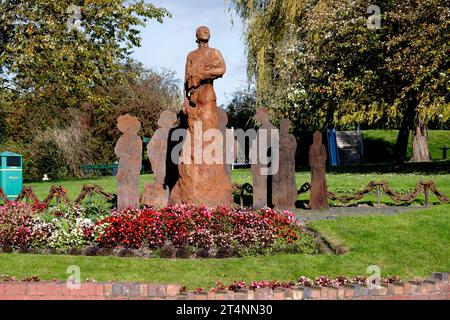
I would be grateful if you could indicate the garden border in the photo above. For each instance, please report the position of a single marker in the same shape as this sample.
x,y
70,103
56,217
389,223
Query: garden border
x,y
436,287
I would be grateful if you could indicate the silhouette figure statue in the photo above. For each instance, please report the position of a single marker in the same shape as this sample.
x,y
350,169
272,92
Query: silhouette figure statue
x,y
157,193
317,160
129,151
284,191
262,183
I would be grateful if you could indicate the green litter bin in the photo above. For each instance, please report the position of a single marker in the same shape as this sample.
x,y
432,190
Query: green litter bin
x,y
11,174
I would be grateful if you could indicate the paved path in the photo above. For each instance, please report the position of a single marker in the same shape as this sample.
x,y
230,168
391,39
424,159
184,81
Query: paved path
x,y
339,212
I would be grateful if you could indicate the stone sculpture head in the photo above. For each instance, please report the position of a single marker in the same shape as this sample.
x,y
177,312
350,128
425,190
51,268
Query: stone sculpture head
x,y
317,137
202,34
262,116
128,124
285,124
167,119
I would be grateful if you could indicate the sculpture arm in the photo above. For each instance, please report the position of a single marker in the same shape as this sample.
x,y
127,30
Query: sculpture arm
x,y
155,146
118,149
186,87
218,71
152,150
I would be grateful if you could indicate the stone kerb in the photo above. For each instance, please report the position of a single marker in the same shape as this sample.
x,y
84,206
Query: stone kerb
x,y
436,287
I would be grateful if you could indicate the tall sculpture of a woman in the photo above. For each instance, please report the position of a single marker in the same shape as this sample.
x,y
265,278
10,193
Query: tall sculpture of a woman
x,y
201,183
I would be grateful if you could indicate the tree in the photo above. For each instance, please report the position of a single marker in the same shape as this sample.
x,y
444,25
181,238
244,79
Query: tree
x,y
269,25
241,109
60,58
323,66
91,131
418,54
63,49
145,94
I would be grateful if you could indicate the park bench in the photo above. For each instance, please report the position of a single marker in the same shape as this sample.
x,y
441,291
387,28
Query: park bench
x,y
99,169
236,165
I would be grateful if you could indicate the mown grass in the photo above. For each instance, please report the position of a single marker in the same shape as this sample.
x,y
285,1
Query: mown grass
x,y
379,145
340,183
408,245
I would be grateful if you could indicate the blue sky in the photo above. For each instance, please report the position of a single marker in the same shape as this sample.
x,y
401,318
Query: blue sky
x,y
167,45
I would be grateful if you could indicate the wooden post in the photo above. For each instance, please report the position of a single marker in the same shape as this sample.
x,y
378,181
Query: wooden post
x,y
89,198
378,196
427,195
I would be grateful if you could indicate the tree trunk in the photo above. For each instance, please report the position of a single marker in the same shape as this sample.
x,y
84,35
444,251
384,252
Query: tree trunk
x,y
401,145
420,143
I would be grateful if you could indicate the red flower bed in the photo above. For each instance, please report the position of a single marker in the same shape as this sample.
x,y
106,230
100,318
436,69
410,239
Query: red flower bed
x,y
16,221
131,228
197,226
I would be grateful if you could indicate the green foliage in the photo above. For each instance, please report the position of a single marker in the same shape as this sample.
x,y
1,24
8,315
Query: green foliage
x,y
305,245
241,109
96,210
320,65
42,56
268,25
45,158
61,88
379,145
144,94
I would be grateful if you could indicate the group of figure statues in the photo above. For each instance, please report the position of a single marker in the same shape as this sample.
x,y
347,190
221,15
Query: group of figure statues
x,y
190,181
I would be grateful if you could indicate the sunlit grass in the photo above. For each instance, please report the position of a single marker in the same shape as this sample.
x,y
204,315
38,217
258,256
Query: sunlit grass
x,y
340,183
408,245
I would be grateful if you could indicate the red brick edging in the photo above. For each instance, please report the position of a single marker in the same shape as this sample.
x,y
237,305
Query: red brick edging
x,y
437,287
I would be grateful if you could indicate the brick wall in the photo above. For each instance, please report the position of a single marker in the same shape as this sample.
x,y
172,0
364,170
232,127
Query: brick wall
x,y
437,287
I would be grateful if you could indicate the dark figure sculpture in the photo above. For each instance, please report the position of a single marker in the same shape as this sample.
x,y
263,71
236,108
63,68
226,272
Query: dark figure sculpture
x,y
230,145
157,193
262,183
157,147
317,160
201,183
129,151
284,191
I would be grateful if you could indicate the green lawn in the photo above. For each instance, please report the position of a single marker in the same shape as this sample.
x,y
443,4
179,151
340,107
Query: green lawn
x,y
409,245
379,145
337,182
